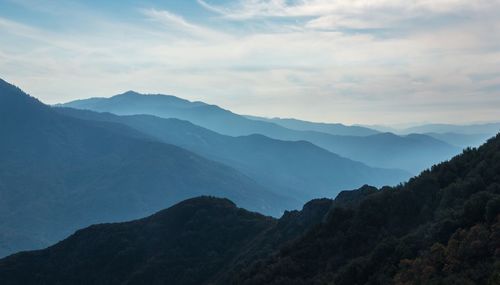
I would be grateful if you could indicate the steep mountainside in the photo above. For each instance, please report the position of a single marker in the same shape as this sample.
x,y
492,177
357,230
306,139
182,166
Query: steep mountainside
x,y
442,227
412,153
298,169
59,173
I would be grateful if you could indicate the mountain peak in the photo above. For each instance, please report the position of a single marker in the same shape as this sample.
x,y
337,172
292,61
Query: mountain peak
x,y
208,201
130,93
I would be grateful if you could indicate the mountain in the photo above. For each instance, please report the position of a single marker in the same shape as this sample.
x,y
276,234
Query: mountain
x,y
59,173
329,128
192,242
473,129
441,227
185,244
411,153
461,136
292,168
462,140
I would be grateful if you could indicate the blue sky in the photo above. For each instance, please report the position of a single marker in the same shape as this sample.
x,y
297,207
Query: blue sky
x,y
350,61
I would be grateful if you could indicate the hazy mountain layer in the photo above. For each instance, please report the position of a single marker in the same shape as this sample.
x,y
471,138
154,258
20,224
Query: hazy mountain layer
x,y
297,169
412,153
329,128
477,129
462,140
59,173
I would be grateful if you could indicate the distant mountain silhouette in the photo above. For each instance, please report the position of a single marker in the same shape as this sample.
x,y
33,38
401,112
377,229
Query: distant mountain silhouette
x,y
489,129
461,140
461,136
297,169
59,173
411,153
441,227
329,128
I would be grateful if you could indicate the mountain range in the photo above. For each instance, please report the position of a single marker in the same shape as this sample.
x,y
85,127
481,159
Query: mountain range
x,y
329,128
59,173
412,153
471,129
441,227
461,136
297,169
63,169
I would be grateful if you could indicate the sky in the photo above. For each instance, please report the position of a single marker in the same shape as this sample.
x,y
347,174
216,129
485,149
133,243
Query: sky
x,y
350,61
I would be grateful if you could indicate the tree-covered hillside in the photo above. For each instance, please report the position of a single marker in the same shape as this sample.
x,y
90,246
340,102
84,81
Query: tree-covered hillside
x,y
185,244
441,227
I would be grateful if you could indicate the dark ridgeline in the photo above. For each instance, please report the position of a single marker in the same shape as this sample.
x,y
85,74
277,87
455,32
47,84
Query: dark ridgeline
x,y
441,227
298,169
59,173
185,244
196,241
411,153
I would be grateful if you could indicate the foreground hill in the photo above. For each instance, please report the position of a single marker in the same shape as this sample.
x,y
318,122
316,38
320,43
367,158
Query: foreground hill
x,y
297,169
411,153
185,244
442,227
193,242
59,173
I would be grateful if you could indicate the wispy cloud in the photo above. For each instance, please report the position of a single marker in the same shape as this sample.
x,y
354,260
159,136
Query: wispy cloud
x,y
176,23
353,14
274,57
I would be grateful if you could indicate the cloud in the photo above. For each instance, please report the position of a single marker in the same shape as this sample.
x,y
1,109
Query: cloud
x,y
272,58
176,23
349,14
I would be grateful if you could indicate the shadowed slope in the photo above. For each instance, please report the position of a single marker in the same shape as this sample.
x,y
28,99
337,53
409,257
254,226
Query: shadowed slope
x,y
185,244
442,227
59,173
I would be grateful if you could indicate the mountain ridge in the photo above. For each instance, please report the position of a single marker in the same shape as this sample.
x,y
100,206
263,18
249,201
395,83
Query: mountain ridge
x,y
412,156
441,227
331,128
299,166
59,173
